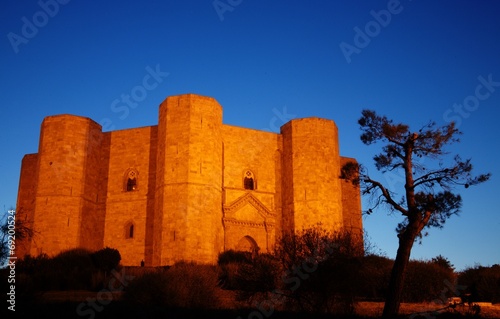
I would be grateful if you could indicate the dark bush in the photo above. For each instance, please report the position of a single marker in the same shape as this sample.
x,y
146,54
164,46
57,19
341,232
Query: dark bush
x,y
426,281
148,290
374,277
69,270
184,285
193,286
106,259
246,274
233,256
481,283
321,270
31,264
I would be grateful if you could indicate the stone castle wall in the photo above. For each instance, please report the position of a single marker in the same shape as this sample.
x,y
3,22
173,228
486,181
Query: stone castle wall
x,y
189,199
26,198
189,180
134,151
311,154
65,202
256,213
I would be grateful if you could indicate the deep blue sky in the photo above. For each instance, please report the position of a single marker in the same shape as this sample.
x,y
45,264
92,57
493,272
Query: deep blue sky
x,y
267,62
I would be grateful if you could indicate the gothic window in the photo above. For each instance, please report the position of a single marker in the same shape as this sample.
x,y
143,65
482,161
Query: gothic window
x,y
131,184
131,180
129,230
249,180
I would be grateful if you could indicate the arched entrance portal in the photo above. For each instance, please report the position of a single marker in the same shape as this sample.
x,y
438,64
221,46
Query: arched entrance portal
x,y
247,243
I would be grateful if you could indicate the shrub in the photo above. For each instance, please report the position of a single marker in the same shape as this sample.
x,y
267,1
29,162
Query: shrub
x,y
184,285
106,259
31,273
31,264
149,289
233,256
425,281
482,283
322,270
69,270
374,277
239,271
193,286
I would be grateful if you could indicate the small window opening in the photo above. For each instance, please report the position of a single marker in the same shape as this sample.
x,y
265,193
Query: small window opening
x,y
131,180
129,231
131,184
248,181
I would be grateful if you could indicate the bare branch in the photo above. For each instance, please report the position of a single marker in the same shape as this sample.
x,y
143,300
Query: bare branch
x,y
386,194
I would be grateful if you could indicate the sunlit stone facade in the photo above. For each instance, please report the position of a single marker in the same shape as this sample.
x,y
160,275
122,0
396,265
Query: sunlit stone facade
x,y
185,189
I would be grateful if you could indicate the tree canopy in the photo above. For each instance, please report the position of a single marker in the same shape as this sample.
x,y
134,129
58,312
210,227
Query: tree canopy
x,y
429,194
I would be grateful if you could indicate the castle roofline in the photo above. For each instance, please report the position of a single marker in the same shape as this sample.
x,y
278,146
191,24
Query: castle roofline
x,y
310,120
71,116
251,129
189,96
348,158
30,155
132,128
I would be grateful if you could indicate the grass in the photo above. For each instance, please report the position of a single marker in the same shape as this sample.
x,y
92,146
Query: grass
x,y
65,304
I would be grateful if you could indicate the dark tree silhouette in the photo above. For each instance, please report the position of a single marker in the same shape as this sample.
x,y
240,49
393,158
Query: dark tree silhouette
x,y
443,262
428,200
13,228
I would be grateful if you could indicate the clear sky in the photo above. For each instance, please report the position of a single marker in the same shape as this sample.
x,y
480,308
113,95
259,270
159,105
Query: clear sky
x,y
267,62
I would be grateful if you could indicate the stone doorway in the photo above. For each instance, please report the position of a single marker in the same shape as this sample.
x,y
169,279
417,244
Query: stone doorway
x,y
247,243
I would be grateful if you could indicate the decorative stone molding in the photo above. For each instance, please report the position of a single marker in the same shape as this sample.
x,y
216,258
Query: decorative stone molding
x,y
268,217
252,200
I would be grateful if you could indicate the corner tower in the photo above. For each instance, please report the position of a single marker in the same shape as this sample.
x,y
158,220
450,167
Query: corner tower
x,y
188,209
67,213
311,186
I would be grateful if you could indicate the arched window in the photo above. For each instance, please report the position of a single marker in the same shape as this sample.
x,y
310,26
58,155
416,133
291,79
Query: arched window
x,y
249,180
131,180
131,184
129,230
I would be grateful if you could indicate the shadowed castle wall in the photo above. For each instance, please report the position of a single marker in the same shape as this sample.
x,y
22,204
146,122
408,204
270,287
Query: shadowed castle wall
x,y
26,198
351,204
94,189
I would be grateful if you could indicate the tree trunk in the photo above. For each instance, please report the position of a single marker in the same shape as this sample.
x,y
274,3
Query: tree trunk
x,y
393,299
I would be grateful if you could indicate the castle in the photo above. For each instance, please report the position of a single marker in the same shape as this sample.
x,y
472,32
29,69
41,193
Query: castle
x,y
185,189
